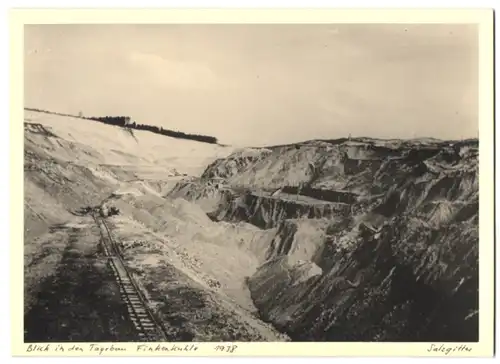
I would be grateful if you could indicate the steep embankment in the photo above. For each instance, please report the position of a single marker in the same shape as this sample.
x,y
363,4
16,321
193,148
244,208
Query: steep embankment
x,y
388,264
267,211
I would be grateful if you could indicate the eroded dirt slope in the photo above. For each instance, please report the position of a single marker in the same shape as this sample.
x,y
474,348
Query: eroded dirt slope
x,y
396,260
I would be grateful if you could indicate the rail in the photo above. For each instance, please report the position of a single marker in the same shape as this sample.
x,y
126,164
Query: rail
x,y
144,321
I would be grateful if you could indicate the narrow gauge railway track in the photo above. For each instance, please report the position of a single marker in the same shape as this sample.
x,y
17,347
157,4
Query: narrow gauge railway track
x,y
148,328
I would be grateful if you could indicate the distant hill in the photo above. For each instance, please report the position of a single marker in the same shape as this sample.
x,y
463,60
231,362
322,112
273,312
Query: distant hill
x,y
125,122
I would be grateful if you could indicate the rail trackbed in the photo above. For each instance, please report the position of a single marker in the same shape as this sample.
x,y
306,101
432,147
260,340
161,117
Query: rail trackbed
x,y
147,326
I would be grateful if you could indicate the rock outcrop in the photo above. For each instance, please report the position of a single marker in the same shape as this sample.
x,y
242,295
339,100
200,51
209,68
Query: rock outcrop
x,y
267,212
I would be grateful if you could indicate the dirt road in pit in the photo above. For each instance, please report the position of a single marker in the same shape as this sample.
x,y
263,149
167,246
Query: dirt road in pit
x,y
90,297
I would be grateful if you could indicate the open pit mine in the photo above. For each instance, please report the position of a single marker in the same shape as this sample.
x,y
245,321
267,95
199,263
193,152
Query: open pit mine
x,y
134,236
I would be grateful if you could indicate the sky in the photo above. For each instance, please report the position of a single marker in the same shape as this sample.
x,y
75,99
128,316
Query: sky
x,y
252,85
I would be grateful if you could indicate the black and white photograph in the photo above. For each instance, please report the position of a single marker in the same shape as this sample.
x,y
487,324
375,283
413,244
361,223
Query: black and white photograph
x,y
251,183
